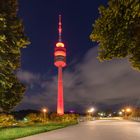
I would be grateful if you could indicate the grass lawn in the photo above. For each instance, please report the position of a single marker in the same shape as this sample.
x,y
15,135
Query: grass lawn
x,y
18,132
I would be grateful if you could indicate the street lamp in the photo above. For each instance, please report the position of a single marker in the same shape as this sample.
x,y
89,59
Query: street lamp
x,y
44,110
91,110
120,113
128,110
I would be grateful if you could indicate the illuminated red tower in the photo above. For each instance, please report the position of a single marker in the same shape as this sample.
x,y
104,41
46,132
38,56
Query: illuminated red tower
x,y
60,62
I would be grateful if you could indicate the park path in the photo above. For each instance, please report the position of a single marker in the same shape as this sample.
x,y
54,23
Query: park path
x,y
94,130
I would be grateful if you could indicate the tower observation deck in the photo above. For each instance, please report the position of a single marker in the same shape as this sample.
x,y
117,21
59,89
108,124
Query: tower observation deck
x,y
60,62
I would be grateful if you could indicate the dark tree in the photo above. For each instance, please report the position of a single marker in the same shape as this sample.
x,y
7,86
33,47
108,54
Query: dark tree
x,y
117,30
12,39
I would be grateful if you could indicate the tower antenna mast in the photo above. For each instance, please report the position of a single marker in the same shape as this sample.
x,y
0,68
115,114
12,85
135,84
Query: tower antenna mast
x,y
60,29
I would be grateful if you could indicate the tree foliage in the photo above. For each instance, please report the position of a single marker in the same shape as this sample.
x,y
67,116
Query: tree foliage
x,y
12,39
7,120
117,30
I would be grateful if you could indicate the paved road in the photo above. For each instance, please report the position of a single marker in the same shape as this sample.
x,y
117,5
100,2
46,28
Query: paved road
x,y
94,130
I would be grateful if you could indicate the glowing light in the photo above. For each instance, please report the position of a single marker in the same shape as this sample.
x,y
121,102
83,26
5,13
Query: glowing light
x,y
110,115
123,110
25,119
91,110
72,111
60,28
59,53
44,110
101,114
59,44
60,64
120,112
128,110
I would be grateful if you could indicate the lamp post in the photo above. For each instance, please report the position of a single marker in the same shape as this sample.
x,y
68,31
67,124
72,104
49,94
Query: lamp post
x,y
126,112
44,110
120,113
90,111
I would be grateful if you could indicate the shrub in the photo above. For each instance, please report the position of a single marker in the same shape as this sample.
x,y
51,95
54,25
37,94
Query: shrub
x,y
69,117
64,118
35,118
7,120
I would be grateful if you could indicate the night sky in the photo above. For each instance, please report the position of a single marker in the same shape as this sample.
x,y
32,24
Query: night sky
x,y
87,82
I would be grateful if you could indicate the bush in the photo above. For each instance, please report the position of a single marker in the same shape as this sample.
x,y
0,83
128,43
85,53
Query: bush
x,y
7,120
55,117
35,118
69,118
64,118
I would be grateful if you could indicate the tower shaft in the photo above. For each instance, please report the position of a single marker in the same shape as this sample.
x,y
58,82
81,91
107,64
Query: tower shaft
x,y
60,104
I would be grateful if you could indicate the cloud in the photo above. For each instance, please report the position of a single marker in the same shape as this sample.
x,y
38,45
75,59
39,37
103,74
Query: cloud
x,y
27,77
90,82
